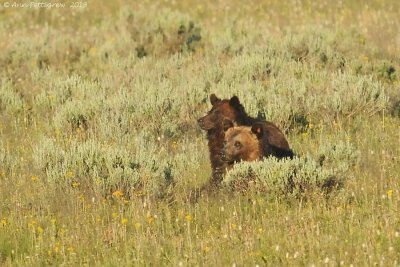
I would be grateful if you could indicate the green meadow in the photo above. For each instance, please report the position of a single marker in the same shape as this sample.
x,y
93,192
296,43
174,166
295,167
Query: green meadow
x,y
102,159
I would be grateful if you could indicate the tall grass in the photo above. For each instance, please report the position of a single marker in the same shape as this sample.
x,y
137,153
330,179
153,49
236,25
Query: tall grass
x,y
101,159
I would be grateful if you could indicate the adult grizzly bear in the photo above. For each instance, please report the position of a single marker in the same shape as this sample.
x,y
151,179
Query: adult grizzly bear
x,y
233,110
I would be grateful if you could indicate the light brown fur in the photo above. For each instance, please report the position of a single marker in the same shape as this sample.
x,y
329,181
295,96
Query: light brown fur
x,y
241,144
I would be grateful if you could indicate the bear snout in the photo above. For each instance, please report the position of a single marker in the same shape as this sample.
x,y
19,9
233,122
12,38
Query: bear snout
x,y
205,124
223,156
201,123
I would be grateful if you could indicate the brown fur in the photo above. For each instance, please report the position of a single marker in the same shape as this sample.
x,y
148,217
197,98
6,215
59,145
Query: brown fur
x,y
212,123
241,144
273,143
215,145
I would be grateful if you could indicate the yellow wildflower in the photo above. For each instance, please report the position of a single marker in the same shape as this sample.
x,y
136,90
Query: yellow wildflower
x,y
389,193
124,221
75,184
4,221
174,145
150,219
118,194
188,218
62,231
32,223
34,178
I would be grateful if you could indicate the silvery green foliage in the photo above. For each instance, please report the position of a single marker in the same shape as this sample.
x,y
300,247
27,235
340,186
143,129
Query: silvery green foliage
x,y
106,167
5,161
9,162
59,90
279,176
10,101
74,114
351,95
296,175
73,100
308,76
284,87
120,93
340,156
166,91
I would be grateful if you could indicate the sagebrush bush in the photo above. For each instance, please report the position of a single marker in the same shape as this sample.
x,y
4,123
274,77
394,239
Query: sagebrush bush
x,y
279,177
104,168
8,162
10,101
296,176
340,156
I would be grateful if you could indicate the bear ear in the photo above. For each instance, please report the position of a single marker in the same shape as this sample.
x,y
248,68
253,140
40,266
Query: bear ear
x,y
234,101
214,99
226,124
257,129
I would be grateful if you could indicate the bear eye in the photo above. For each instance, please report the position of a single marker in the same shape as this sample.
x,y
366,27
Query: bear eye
x,y
238,144
225,142
217,111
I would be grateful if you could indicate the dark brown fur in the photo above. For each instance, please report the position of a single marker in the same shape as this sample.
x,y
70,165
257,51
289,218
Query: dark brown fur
x,y
215,144
274,143
243,143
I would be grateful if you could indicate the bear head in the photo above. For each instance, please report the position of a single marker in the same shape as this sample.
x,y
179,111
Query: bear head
x,y
221,109
241,143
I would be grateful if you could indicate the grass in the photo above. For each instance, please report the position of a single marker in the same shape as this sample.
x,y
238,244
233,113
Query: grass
x,y
101,155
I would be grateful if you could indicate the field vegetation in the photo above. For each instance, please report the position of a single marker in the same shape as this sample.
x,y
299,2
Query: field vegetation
x,y
101,157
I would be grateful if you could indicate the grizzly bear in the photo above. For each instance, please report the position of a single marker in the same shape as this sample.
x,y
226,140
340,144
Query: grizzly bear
x,y
243,143
212,123
232,109
240,144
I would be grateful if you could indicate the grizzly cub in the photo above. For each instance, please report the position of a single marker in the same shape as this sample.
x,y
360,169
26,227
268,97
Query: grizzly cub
x,y
242,143
233,110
